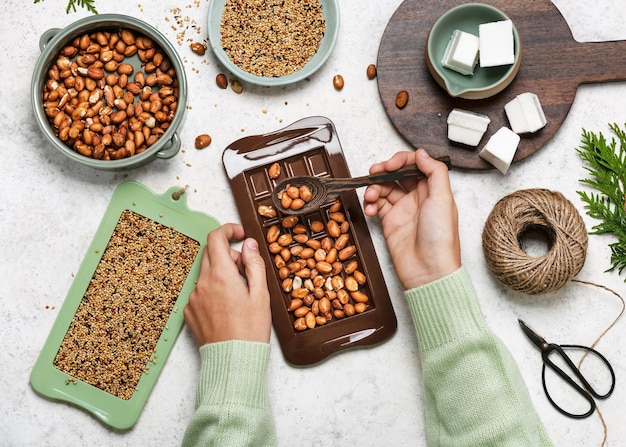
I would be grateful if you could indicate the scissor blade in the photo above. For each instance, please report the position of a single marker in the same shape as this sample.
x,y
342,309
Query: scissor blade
x,y
537,339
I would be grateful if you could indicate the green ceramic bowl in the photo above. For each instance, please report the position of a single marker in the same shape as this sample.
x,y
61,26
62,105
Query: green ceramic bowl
x,y
485,82
330,9
52,42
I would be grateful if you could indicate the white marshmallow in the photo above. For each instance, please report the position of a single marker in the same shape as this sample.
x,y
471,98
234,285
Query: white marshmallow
x,y
461,53
525,113
500,149
496,43
467,127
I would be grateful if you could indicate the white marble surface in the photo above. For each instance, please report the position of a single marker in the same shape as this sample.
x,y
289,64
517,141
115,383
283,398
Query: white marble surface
x,y
49,210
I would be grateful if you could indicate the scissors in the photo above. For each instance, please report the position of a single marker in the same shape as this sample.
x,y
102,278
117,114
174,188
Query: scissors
x,y
586,390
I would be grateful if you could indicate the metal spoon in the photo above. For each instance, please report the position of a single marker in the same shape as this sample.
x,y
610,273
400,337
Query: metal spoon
x,y
327,189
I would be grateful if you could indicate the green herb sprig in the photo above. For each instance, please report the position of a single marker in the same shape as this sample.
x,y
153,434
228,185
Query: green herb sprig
x,y
71,6
606,165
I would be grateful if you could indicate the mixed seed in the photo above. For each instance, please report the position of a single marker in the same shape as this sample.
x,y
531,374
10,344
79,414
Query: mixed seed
x,y
115,330
272,37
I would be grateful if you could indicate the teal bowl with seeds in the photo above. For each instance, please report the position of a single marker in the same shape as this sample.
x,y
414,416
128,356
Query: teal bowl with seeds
x,y
274,70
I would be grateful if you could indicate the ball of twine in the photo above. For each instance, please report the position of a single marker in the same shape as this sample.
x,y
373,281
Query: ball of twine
x,y
542,210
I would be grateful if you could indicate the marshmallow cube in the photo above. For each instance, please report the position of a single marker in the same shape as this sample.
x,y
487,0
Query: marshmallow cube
x,y
467,127
500,149
461,53
525,113
496,43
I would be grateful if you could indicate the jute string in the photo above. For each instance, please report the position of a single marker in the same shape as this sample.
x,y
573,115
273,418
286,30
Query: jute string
x,y
597,340
540,210
550,213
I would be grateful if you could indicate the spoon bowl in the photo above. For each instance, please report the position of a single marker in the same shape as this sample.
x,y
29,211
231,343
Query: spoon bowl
x,y
327,189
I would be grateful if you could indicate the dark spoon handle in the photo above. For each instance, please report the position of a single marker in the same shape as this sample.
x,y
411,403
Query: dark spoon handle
x,y
339,186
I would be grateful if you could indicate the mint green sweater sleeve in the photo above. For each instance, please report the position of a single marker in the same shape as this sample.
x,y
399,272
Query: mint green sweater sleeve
x,y
474,393
232,406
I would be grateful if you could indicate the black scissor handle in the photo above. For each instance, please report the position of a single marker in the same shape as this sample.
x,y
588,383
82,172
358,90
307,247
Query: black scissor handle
x,y
587,391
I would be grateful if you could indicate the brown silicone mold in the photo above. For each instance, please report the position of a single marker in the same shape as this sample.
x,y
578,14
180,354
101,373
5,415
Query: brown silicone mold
x,y
308,147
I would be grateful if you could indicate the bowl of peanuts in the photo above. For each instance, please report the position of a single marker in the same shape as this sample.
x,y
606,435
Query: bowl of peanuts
x,y
273,43
109,91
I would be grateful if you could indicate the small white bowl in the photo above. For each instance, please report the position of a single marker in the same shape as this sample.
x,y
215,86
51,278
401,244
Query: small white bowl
x,y
330,10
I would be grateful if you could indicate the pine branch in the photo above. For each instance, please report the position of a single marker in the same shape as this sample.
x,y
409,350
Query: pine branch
x,y
606,166
71,6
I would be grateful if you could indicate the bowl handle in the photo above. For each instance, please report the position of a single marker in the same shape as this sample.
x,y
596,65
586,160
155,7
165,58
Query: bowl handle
x,y
171,150
47,36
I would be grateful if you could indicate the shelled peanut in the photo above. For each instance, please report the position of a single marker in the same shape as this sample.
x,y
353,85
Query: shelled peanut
x,y
100,105
318,267
294,197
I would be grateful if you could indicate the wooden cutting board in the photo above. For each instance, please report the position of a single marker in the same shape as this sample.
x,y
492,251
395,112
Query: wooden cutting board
x,y
553,66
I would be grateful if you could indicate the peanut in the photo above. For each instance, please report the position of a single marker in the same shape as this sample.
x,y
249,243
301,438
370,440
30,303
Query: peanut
x,y
236,86
272,234
338,82
316,226
274,171
300,325
402,98
289,221
202,141
221,81
199,48
266,211
360,307
309,319
371,71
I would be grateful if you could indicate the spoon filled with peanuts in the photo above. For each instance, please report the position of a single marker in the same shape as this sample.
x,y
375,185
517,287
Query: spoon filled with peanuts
x,y
303,194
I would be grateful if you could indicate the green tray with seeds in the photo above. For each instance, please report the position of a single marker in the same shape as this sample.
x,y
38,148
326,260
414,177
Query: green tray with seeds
x,y
124,309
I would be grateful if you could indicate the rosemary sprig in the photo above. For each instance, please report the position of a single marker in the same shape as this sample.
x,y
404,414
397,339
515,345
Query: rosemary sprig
x,y
606,165
88,4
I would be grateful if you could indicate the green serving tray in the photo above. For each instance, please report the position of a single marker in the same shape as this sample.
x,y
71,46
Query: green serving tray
x,y
169,209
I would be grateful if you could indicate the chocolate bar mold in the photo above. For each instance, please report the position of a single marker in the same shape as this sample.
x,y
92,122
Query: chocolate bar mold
x,y
308,147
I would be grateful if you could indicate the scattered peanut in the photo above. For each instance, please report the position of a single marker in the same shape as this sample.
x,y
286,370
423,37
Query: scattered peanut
x,y
199,48
202,141
236,86
101,106
371,71
221,81
402,98
338,82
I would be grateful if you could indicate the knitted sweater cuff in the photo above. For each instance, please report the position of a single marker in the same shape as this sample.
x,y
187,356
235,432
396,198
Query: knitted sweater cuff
x,y
445,310
233,372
